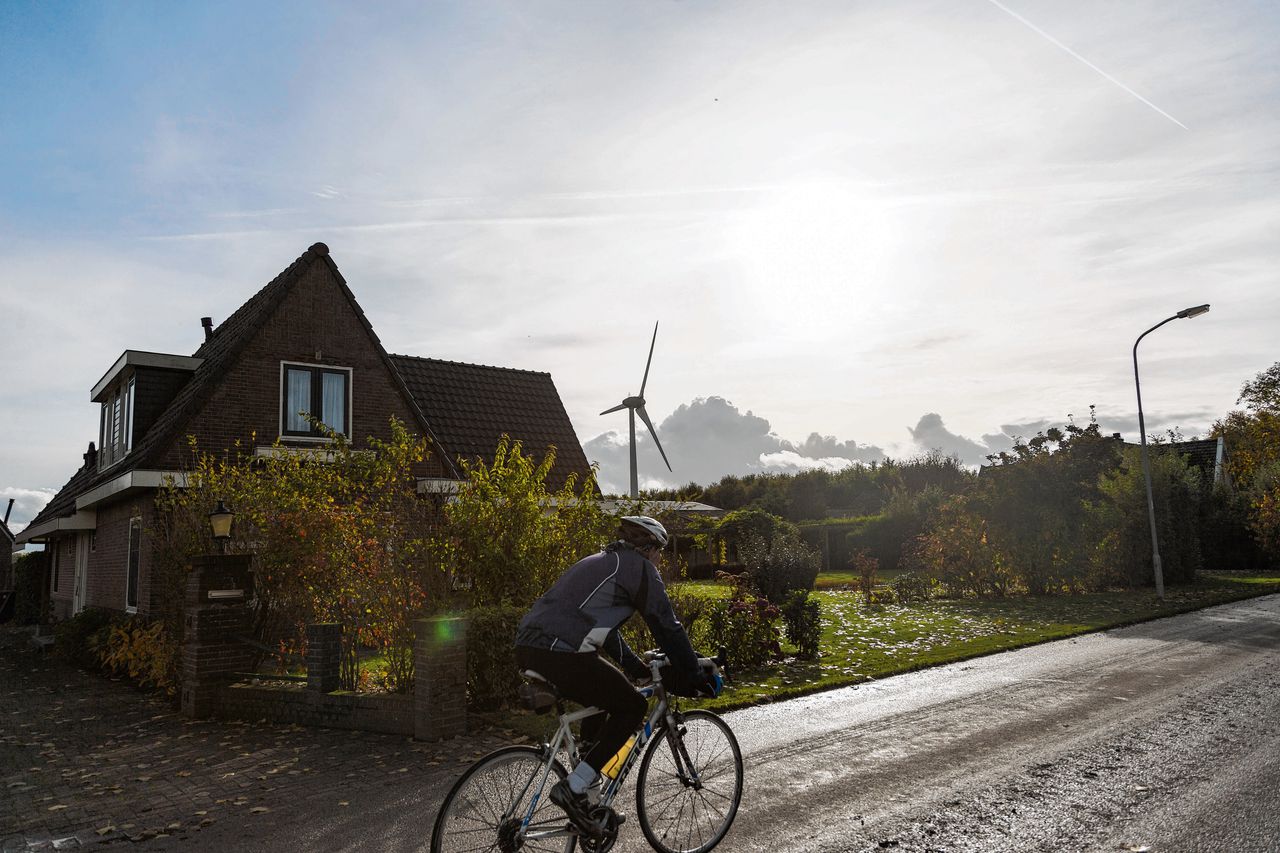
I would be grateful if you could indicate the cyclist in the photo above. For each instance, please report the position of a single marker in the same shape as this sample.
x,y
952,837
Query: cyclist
x,y
561,635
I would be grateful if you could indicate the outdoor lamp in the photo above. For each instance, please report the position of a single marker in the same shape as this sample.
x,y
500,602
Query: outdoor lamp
x,y
1184,314
220,523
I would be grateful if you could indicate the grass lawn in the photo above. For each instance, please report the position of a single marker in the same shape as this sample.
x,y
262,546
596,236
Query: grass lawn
x,y
860,644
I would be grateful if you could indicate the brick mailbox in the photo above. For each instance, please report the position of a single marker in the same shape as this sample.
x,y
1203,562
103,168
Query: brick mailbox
x,y
217,614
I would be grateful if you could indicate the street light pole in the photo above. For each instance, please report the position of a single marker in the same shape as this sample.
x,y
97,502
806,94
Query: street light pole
x,y
1185,313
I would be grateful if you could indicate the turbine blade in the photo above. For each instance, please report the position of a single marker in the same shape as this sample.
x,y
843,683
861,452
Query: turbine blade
x,y
617,408
644,416
645,381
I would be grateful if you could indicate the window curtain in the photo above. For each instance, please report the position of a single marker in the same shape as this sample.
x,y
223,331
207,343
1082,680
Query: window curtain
x,y
334,401
299,400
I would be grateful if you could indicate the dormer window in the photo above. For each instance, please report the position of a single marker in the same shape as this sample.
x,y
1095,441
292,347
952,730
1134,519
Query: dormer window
x,y
115,436
314,389
133,392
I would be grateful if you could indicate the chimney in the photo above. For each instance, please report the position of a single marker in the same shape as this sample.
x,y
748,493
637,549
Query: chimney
x,y
1116,436
207,322
91,456
7,511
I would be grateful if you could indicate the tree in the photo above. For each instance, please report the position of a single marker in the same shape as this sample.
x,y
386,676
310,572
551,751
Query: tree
x,y
1036,501
1253,443
336,535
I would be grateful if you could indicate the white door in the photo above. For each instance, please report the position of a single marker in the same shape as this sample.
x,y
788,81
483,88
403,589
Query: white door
x,y
82,573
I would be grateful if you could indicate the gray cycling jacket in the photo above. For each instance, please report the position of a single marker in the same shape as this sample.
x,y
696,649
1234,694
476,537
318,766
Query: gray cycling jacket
x,y
584,609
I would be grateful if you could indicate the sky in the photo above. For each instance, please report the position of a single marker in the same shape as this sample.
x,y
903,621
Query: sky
x,y
865,229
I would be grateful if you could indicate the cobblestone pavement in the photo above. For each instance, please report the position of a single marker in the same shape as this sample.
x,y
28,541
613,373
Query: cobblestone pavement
x,y
86,761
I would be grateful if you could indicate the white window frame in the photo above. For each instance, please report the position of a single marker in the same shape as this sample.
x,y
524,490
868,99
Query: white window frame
x,y
317,439
115,426
128,558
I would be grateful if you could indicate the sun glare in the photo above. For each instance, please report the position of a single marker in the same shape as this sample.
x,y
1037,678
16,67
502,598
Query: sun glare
x,y
812,255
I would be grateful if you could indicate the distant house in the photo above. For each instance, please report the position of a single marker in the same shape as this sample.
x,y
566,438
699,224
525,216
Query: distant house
x,y
1208,456
301,344
7,545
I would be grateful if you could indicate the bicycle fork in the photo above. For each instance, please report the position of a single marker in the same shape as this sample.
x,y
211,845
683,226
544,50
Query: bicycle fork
x,y
686,772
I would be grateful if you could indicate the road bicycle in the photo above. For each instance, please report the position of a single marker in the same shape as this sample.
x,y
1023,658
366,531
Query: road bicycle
x,y
687,791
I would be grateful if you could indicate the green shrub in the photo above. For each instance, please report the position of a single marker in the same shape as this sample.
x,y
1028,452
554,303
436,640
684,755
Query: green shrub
x,y
690,608
493,676
778,566
802,616
78,639
911,588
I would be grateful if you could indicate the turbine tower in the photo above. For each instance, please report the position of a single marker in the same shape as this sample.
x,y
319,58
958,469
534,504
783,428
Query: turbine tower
x,y
635,405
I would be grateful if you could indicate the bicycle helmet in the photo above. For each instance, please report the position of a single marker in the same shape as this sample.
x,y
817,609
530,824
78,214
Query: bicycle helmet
x,y
649,525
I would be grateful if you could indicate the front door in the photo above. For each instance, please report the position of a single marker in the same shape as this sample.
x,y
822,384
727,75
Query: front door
x,y
82,573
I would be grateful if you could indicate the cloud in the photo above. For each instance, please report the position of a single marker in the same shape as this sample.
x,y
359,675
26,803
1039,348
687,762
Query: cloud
x,y
27,503
711,437
930,433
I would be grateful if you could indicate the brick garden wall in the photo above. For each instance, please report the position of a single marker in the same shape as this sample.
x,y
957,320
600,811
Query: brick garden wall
x,y
212,655
291,704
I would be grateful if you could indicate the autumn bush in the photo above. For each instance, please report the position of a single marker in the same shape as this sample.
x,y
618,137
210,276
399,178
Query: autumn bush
x,y
506,537
746,624
141,650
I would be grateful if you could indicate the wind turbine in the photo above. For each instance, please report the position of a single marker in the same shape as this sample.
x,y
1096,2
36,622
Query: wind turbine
x,y
635,405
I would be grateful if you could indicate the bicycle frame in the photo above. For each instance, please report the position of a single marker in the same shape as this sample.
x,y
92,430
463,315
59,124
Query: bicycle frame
x,y
662,713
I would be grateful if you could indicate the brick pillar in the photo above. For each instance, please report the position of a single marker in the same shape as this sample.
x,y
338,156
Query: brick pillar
x,y
215,616
440,678
324,656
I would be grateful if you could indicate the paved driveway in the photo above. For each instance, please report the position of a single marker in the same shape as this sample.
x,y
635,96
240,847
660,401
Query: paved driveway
x,y
85,760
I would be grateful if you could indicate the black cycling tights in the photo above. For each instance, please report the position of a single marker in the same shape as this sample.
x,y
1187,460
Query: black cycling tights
x,y
588,679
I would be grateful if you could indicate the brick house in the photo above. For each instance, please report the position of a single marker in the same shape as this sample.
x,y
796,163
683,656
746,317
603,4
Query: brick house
x,y
302,343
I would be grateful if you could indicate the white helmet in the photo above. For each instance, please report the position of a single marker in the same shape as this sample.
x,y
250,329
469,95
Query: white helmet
x,y
650,526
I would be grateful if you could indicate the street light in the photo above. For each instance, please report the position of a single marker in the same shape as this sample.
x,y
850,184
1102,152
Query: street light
x,y
1184,314
220,524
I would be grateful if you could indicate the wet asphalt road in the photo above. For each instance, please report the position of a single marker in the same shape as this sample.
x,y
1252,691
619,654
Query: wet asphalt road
x,y
1163,736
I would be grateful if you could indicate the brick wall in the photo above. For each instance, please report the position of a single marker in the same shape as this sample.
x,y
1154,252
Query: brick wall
x,y
62,569
294,704
313,324
109,558
440,670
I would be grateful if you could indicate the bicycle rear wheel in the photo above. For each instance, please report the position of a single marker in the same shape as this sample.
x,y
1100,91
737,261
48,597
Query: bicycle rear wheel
x,y
676,815
484,809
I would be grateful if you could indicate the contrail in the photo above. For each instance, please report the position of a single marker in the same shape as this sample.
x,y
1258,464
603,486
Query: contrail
x,y
1054,41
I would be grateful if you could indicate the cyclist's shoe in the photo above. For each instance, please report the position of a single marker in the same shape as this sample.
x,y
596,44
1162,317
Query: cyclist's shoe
x,y
576,806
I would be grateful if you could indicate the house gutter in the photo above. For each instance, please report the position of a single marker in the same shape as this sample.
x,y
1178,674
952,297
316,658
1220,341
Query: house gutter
x,y
80,522
129,482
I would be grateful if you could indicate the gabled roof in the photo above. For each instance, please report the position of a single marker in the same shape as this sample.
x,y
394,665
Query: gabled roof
x,y
1202,453
64,502
217,355
472,405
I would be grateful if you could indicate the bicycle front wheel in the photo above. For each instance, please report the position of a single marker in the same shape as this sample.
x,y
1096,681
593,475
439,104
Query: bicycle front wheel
x,y
485,809
677,814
